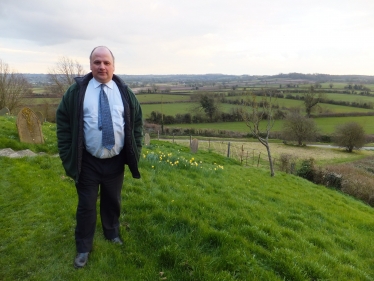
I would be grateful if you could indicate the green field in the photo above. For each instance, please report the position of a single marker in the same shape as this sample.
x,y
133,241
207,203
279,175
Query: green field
x,y
326,125
182,108
162,98
40,101
350,98
173,104
38,90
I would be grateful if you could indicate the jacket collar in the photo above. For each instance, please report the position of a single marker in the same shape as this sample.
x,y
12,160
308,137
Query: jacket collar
x,y
83,80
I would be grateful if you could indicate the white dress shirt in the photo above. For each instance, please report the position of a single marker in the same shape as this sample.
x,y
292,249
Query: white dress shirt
x,y
92,134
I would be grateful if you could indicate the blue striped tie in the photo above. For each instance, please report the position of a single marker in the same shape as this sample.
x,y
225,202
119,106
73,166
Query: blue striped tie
x,y
105,120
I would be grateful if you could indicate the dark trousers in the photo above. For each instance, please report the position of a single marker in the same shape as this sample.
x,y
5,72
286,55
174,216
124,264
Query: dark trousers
x,y
108,175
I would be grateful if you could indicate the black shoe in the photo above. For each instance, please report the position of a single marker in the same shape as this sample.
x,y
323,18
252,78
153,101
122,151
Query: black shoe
x,y
80,260
117,240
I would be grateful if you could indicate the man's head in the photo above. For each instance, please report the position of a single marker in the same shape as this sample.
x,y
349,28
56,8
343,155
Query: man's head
x,y
102,64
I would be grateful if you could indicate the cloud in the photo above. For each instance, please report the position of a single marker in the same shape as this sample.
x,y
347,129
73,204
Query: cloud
x,y
190,36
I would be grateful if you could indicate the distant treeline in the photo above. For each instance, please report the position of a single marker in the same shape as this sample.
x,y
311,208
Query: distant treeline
x,y
319,77
40,79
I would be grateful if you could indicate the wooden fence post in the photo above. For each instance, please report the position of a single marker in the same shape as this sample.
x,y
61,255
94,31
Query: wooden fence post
x,y
241,155
173,137
228,150
258,161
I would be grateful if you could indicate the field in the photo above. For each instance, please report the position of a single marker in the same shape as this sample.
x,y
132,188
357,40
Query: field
x,y
178,101
248,152
326,125
190,217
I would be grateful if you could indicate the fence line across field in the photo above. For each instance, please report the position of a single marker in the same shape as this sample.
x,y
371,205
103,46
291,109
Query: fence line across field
x,y
231,149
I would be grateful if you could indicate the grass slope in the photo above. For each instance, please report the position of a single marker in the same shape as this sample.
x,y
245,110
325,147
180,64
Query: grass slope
x,y
191,217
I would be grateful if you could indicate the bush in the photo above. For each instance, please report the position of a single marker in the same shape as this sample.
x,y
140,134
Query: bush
x,y
350,135
287,163
324,138
307,169
355,179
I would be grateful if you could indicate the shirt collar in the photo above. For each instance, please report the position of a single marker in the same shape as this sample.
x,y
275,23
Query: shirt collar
x,y
97,83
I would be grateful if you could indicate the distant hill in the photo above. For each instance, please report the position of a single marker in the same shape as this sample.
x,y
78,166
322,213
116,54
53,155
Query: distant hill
x,y
216,77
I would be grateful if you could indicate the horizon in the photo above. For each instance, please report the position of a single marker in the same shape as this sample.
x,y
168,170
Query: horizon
x,y
224,74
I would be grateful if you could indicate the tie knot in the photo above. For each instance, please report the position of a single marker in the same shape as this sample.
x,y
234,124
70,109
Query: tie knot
x,y
102,86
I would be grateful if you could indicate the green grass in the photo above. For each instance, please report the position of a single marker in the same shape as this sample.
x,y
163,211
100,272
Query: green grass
x,y
350,98
182,108
38,90
192,217
290,103
9,136
162,98
168,108
40,101
326,125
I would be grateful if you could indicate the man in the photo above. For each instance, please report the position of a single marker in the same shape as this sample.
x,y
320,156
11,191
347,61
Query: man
x,y
99,129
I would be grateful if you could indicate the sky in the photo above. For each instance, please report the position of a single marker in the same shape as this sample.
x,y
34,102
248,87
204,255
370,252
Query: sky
x,y
237,37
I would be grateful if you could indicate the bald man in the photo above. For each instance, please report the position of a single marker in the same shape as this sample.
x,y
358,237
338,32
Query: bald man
x,y
99,130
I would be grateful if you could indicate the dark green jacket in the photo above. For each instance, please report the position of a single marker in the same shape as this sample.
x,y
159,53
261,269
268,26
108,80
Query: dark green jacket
x,y
70,136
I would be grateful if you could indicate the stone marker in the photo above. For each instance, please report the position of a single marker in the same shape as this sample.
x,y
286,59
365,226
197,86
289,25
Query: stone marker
x,y
194,145
8,152
29,127
4,111
147,139
40,116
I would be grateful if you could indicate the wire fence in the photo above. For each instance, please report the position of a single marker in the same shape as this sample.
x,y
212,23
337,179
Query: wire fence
x,y
240,151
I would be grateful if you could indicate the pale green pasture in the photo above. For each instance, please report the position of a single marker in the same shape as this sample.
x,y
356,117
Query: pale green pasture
x,y
162,98
36,101
168,108
289,103
179,108
326,125
339,86
332,108
38,90
182,108
350,98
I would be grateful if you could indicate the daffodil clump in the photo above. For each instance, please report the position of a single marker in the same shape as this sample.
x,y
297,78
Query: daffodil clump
x,y
159,158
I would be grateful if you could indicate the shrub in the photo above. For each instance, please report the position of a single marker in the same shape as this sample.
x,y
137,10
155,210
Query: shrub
x,y
355,181
307,169
350,135
287,163
324,138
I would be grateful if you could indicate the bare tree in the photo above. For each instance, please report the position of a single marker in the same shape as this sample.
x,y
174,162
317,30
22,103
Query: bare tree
x,y
311,100
299,128
350,135
63,74
13,86
261,111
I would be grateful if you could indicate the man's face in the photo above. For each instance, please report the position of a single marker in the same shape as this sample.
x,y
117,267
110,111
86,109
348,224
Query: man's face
x,y
102,65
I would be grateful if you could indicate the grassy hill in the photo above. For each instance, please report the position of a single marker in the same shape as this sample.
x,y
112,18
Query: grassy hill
x,y
190,217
